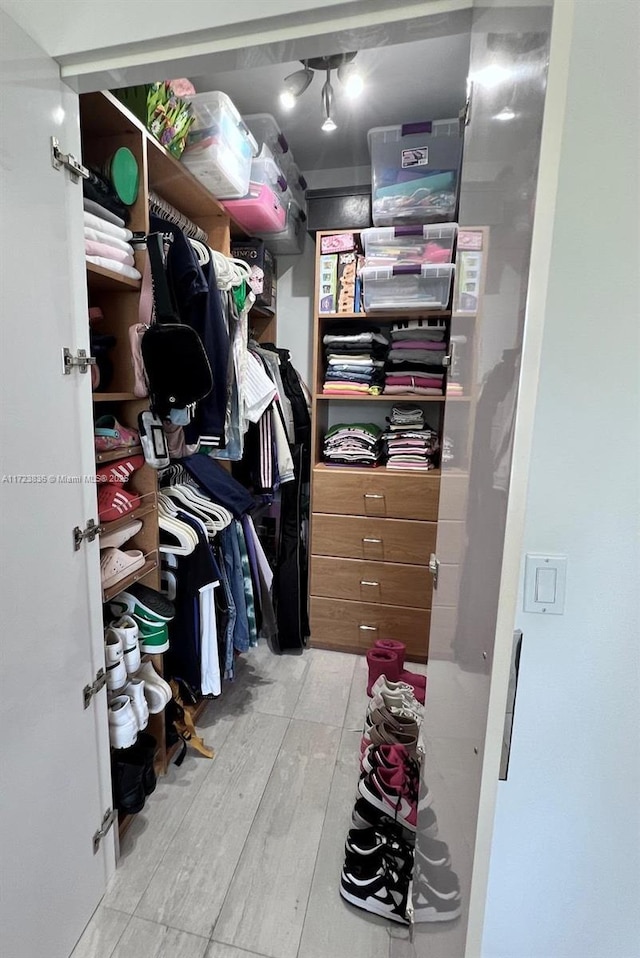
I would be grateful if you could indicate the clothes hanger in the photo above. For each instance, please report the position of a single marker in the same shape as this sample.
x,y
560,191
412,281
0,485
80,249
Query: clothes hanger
x,y
201,250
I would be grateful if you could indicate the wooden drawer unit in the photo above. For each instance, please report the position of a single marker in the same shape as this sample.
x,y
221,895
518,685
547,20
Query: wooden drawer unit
x,y
381,582
355,626
380,540
376,492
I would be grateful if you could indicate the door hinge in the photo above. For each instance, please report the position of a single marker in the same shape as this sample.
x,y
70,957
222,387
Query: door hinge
x,y
80,361
88,534
110,817
90,690
434,568
464,116
67,161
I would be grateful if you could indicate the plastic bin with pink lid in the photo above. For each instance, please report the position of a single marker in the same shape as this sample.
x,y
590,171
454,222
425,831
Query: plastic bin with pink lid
x,y
290,241
219,146
397,245
263,209
266,130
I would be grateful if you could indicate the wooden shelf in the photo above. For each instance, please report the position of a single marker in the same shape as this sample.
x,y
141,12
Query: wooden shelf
x,y
390,315
398,397
105,279
150,566
116,397
259,312
359,470
139,513
114,454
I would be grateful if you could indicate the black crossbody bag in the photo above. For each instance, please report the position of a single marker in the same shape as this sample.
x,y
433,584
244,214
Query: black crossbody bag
x,y
177,367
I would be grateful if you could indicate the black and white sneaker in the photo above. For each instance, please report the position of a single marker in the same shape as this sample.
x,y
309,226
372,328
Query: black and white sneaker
x,y
369,847
366,816
382,894
432,904
431,852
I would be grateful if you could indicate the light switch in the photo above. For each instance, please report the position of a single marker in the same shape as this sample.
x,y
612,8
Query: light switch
x,y
544,583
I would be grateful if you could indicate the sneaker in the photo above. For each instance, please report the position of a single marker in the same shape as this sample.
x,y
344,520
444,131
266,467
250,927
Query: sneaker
x,y
393,792
120,471
396,703
141,600
127,631
380,894
135,690
370,847
383,734
432,853
392,757
113,503
109,434
396,692
443,882
153,636
400,720
114,661
428,905
123,725
157,692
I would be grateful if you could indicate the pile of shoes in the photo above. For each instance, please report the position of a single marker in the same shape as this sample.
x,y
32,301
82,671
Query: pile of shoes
x,y
386,870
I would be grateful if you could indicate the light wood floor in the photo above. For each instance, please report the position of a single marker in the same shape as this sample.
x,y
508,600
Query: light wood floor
x,y
240,857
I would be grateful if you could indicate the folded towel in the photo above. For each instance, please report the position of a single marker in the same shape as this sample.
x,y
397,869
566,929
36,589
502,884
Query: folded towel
x,y
97,223
114,266
99,237
108,252
91,206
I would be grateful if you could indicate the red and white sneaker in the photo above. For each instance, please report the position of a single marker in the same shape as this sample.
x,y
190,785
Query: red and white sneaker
x,y
391,757
392,791
121,470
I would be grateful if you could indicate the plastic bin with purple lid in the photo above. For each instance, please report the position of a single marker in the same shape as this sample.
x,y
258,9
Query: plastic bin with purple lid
x,y
407,287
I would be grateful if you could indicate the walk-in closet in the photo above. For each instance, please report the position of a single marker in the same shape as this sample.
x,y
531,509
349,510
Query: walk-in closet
x,y
293,284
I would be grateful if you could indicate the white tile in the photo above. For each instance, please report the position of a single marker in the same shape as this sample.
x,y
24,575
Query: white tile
x,y
189,886
326,688
145,841
358,698
219,950
146,939
332,927
265,907
102,934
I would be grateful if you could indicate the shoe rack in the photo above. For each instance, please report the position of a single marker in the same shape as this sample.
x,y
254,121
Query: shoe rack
x,y
107,125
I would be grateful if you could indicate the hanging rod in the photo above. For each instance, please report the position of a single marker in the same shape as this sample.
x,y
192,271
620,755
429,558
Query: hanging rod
x,y
162,207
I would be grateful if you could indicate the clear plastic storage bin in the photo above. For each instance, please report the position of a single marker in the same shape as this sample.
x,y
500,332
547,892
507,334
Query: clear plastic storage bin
x,y
415,172
397,245
219,146
266,130
407,287
264,208
291,240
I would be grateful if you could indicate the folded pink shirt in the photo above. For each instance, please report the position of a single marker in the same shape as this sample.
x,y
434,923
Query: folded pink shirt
x,y
92,248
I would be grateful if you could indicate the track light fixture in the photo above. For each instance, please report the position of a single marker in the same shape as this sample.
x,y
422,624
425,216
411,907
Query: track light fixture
x,y
348,75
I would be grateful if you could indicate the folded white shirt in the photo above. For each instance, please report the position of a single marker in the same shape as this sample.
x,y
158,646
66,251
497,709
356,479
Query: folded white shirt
x,y
97,236
95,223
114,266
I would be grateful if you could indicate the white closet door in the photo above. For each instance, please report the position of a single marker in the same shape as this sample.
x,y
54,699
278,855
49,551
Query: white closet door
x,y
55,753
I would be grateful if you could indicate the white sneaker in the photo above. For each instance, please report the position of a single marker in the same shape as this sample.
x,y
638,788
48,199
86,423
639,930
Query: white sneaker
x,y
123,725
135,690
127,631
157,692
397,702
396,692
114,660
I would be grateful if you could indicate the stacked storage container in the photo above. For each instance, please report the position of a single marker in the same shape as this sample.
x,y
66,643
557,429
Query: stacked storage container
x,y
263,208
291,239
415,172
219,146
408,267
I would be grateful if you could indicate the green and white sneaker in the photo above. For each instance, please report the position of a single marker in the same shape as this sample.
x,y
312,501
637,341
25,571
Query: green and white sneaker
x,y
140,600
153,635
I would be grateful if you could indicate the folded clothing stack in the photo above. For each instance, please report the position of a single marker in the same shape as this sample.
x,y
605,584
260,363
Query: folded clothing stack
x,y
355,361
353,444
409,442
414,361
106,241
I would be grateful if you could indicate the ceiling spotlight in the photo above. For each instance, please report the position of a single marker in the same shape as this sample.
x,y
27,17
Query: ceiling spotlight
x,y
351,79
294,86
506,113
327,105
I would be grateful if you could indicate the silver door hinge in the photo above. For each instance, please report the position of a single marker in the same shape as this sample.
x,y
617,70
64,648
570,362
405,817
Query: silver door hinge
x,y
67,161
464,116
88,534
90,690
80,361
110,816
434,568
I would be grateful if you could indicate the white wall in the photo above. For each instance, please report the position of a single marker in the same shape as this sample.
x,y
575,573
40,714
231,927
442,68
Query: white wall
x,y
565,864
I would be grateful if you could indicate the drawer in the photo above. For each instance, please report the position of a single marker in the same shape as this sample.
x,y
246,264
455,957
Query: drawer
x,y
364,537
381,582
355,626
375,492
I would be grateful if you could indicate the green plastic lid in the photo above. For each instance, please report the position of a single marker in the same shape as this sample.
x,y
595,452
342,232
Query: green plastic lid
x,y
125,175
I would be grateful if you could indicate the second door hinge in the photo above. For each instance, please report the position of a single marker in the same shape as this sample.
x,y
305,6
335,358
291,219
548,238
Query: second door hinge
x,y
89,691
434,568
81,361
109,818
88,534
67,161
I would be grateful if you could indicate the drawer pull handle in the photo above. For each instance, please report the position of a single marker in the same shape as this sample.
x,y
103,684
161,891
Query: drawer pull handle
x,y
368,628
365,582
373,495
377,541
